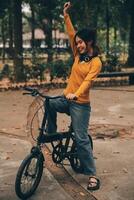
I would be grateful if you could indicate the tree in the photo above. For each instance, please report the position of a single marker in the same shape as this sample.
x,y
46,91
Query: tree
x,y
10,29
130,60
3,16
3,28
47,27
17,33
42,17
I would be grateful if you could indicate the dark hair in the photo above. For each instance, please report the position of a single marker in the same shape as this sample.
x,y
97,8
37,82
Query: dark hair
x,y
88,35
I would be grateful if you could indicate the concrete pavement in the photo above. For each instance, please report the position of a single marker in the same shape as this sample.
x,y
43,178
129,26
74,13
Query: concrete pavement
x,y
12,152
114,157
114,161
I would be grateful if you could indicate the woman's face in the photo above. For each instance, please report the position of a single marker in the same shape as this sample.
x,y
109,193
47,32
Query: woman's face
x,y
80,45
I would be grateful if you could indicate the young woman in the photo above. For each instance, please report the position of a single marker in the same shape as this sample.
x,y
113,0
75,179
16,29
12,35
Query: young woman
x,y
76,100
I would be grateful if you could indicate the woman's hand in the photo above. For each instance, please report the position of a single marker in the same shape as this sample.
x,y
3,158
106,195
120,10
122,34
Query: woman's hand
x,y
71,96
67,5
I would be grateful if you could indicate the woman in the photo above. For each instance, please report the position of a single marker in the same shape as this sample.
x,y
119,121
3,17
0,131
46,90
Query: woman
x,y
76,101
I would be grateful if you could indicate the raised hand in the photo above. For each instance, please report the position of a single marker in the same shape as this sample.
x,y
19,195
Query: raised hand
x,y
67,5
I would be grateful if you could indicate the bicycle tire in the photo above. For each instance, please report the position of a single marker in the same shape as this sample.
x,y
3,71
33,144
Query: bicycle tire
x,y
58,154
24,167
74,160
91,141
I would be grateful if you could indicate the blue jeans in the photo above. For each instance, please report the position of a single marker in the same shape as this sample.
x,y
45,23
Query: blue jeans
x,y
80,114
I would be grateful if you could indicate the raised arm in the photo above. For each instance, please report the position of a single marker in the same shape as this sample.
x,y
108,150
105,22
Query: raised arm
x,y
69,26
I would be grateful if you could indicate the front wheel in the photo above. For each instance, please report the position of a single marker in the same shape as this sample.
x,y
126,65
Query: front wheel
x,y
29,175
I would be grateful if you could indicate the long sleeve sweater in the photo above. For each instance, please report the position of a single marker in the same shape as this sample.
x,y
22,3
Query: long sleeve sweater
x,y
82,73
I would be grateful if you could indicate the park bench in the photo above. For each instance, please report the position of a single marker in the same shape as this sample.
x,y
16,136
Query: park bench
x,y
130,75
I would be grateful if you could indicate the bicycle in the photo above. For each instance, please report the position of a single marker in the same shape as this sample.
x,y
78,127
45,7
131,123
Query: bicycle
x,y
30,171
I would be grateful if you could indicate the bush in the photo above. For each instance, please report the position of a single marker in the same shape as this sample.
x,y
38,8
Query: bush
x,y
111,64
34,72
59,68
6,72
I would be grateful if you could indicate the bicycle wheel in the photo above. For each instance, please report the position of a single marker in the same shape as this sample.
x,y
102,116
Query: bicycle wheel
x,y
29,175
58,153
91,141
74,160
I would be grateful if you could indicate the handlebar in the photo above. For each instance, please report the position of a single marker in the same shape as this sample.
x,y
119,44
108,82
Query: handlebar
x,y
34,92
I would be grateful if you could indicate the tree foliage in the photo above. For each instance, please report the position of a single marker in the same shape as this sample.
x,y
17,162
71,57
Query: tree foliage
x,y
112,19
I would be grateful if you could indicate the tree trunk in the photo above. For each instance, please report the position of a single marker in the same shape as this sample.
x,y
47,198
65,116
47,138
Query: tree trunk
x,y
47,27
107,30
10,28
115,41
18,50
49,41
3,40
130,61
87,14
32,27
92,10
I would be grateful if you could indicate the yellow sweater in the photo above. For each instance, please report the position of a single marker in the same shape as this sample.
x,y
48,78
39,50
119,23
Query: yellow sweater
x,y
82,73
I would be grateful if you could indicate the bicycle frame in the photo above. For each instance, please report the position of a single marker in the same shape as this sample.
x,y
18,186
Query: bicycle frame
x,y
55,136
50,138
43,136
61,150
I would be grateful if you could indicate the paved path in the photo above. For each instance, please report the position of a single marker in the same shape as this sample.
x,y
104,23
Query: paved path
x,y
114,157
12,152
115,169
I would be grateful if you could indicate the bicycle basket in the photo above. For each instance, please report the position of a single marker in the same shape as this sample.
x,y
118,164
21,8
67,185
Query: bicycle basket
x,y
34,118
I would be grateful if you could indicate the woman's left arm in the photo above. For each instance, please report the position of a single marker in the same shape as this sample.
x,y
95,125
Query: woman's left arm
x,y
91,76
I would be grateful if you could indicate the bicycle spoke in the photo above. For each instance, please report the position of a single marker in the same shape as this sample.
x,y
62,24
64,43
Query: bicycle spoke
x,y
29,176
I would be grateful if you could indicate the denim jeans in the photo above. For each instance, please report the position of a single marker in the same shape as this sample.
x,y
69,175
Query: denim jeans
x,y
80,114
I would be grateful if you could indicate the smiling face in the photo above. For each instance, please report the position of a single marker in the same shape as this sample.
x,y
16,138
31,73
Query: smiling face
x,y
80,45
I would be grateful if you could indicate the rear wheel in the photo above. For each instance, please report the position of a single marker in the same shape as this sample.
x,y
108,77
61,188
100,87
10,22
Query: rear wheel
x,y
91,141
58,153
74,160
29,175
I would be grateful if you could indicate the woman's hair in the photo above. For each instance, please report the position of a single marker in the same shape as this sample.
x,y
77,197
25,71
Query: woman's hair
x,y
88,35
